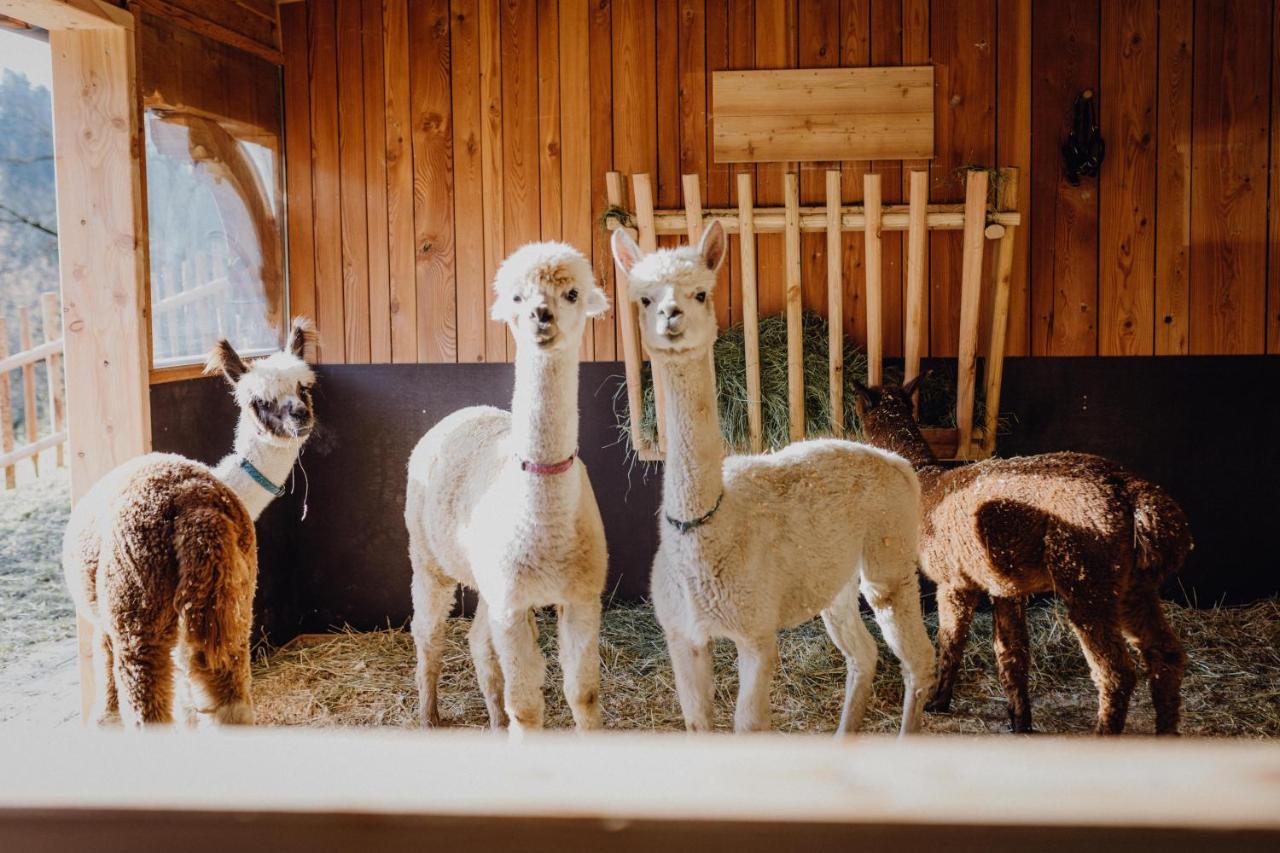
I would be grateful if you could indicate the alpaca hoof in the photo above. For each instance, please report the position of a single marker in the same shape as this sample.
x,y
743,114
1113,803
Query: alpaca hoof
x,y
1020,724
234,714
938,705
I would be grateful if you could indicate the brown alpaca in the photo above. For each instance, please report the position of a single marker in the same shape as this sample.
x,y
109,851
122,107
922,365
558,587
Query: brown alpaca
x,y
1076,525
161,553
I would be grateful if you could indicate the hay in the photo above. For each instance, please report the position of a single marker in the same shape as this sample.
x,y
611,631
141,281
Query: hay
x,y
353,679
937,393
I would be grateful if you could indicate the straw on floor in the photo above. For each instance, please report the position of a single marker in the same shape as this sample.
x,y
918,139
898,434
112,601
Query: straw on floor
x,y
366,679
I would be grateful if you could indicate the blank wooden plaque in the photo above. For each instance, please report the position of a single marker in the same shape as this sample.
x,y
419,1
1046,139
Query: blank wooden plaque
x,y
823,114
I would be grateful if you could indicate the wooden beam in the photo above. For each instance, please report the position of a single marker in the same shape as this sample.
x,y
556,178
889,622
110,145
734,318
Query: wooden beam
x,y
212,30
871,194
630,334
835,303
795,329
750,312
917,327
772,220
975,204
1001,279
642,191
68,14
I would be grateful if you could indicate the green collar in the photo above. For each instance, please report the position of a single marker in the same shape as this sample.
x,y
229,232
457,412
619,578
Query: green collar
x,y
686,526
260,478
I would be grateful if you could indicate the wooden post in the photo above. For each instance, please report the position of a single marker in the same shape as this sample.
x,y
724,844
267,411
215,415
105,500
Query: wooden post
x,y
32,422
53,368
917,253
642,189
630,333
874,268
6,410
750,315
975,216
693,207
795,328
835,302
1006,199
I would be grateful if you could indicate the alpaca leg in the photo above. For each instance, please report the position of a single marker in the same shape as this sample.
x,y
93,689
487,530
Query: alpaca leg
x,y
433,596
488,668
515,634
695,682
144,679
1098,629
1162,652
1013,659
847,630
578,626
901,623
757,661
955,613
222,694
106,702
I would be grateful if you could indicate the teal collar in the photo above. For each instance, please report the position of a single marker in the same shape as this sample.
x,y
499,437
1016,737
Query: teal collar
x,y
260,478
686,526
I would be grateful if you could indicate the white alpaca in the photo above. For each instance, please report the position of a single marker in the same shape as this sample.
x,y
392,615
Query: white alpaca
x,y
500,502
751,544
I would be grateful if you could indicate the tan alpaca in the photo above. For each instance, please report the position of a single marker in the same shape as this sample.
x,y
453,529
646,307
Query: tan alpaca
x,y
161,555
499,501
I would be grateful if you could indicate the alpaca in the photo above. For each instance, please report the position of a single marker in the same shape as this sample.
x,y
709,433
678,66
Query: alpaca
x,y
500,502
752,544
161,554
1076,525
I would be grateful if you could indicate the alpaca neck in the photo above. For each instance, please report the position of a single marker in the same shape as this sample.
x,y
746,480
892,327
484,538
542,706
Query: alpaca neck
x,y
272,457
693,475
902,435
544,407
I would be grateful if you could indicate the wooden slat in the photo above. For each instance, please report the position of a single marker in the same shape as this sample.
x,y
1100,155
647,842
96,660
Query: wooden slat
x,y
68,14
599,33
820,136
795,328
32,451
692,207
750,314
855,50
223,22
692,63
1013,149
6,408
1007,196
835,304
1127,187
1273,265
30,421
886,50
667,169
575,139
642,191
874,266
550,179
492,146
1229,214
375,164
521,191
818,24
351,147
1173,178
772,220
431,117
1064,219
970,303
399,132
297,137
713,17
629,332
50,317
326,188
739,52
917,330
775,47
916,50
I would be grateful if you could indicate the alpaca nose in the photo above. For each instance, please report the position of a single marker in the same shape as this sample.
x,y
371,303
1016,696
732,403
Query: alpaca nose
x,y
544,316
670,318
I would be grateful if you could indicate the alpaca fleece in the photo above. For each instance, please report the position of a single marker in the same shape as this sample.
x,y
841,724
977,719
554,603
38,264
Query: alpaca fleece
x,y
796,533
1079,526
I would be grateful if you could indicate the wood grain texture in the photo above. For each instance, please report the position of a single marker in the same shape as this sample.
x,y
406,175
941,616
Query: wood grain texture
x,y
855,50
1229,210
874,253
1273,243
297,136
740,52
550,179
775,47
750,313
351,165
818,26
666,36
835,303
719,178
916,333
886,50
468,173
325,180
375,165
403,291
1064,219
1173,178
970,303
1013,149
1127,186
795,329
600,33
915,51
575,137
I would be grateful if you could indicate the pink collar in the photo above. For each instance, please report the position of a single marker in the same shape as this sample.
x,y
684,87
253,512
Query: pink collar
x,y
554,468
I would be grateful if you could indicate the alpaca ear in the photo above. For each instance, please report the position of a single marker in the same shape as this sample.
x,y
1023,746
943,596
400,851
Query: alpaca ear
x,y
596,302
225,360
302,335
862,393
625,251
914,385
712,245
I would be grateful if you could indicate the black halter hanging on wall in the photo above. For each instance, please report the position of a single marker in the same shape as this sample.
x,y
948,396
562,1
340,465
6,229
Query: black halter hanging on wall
x,y
1084,149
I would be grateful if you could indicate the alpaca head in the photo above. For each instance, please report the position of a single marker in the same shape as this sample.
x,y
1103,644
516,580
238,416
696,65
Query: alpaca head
x,y
546,292
886,414
274,393
672,290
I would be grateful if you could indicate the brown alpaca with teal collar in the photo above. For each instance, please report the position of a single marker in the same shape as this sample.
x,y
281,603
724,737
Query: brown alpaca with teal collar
x,y
1076,525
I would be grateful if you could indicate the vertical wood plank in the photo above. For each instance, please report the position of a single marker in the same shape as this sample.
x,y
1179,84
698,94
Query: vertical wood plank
x,y
750,314
468,180
57,384
795,329
521,194
1173,178
818,27
775,40
855,50
550,186
975,215
719,178
1013,149
667,72
692,208
628,332
1273,266
297,137
692,56
916,51
642,191
1007,197
375,141
886,50
7,440
29,419
600,34
874,265
575,140
1229,216
326,188
351,150
403,296
740,54
1064,219
835,303
491,154
1127,186
917,330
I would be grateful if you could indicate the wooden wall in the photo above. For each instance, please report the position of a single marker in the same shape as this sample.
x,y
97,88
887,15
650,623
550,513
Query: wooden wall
x,y
427,138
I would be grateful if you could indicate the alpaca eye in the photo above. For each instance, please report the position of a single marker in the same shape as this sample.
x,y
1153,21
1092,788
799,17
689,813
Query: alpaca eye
x,y
644,300
517,298
572,295
702,296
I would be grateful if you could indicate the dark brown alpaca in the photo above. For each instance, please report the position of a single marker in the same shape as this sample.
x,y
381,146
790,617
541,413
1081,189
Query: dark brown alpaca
x,y
1076,525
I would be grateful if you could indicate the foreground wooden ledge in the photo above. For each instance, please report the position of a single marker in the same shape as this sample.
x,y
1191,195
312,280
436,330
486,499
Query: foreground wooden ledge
x,y
312,790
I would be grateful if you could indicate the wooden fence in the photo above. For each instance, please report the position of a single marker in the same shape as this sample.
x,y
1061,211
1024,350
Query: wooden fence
x,y
976,218
50,352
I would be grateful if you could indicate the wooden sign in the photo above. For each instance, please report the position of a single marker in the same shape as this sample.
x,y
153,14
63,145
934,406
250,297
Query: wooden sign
x,y
823,114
